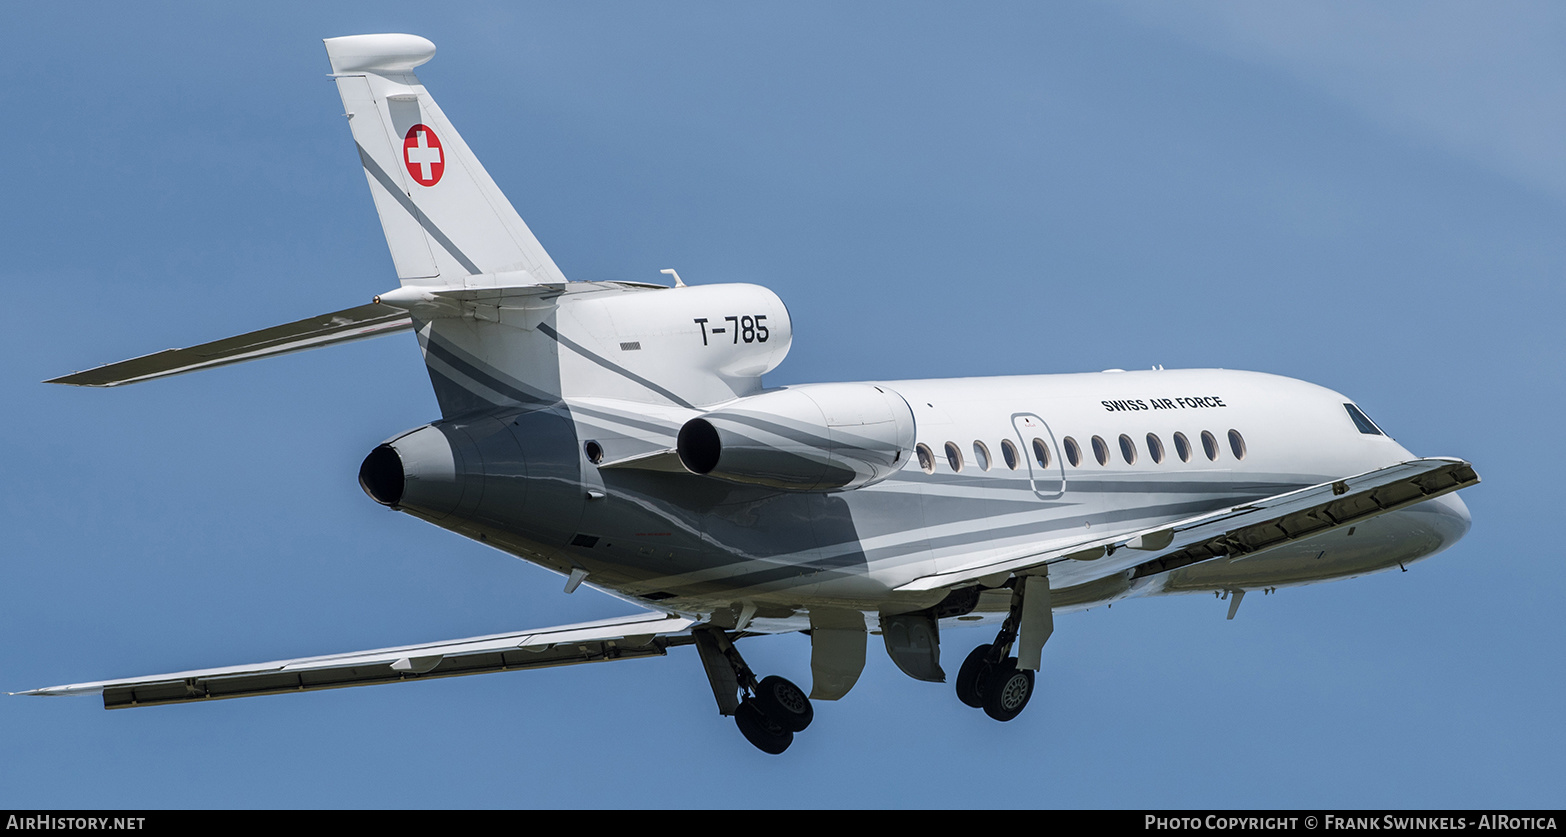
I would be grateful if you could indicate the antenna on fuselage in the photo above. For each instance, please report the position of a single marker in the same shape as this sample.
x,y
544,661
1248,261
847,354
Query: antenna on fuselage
x,y
671,272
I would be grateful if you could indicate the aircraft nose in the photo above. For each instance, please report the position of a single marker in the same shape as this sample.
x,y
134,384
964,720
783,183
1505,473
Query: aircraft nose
x,y
1452,520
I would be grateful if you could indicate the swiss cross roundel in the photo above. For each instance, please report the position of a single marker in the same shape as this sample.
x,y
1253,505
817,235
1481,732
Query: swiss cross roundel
x,y
422,153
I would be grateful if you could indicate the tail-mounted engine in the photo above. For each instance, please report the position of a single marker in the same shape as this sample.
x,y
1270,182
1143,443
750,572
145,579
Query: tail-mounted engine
x,y
820,437
703,344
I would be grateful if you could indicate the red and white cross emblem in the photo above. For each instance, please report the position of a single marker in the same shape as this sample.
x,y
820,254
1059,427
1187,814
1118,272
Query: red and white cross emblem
x,y
422,153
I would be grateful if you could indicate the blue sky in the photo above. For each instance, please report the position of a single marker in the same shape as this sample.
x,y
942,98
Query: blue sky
x,y
1371,198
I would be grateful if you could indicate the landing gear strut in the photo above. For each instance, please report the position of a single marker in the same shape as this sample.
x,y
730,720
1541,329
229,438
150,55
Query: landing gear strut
x,y
767,711
990,678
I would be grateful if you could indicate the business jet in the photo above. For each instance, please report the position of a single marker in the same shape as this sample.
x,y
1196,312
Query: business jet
x,y
618,433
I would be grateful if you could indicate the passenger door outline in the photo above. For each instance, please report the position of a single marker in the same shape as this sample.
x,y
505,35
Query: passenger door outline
x,y
1048,483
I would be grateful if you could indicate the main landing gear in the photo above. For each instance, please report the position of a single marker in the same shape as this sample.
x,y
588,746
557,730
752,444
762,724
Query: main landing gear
x,y
767,711
993,680
770,717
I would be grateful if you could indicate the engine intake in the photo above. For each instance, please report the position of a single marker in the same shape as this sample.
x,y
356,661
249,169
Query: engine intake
x,y
417,470
381,475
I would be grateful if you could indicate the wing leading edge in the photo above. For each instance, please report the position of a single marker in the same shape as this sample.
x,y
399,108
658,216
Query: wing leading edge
x,y
1236,532
624,638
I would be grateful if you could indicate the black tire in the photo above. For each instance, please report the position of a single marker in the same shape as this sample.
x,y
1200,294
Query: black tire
x,y
1007,690
970,678
761,731
784,703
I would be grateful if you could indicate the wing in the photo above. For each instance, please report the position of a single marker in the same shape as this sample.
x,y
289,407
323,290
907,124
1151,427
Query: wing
x,y
624,638
371,320
1239,531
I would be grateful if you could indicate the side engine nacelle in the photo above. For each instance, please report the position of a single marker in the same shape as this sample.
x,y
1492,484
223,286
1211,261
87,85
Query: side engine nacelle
x,y
818,437
514,476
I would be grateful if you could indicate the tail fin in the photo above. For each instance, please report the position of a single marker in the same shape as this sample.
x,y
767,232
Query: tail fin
x,y
447,224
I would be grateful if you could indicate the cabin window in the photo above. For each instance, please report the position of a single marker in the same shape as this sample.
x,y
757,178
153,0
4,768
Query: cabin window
x,y
1362,421
981,455
954,457
1073,453
1100,450
1009,453
1210,445
1155,448
1127,449
1041,453
1237,444
1182,447
926,458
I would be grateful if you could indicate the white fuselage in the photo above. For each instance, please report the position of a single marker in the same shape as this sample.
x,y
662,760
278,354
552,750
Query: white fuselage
x,y
1150,447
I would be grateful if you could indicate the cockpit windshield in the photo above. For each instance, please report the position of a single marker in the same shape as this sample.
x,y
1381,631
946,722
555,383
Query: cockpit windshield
x,y
1363,421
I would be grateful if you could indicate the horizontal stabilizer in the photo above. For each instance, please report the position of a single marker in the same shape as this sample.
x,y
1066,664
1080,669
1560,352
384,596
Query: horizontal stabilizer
x,y
365,321
1236,532
624,638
